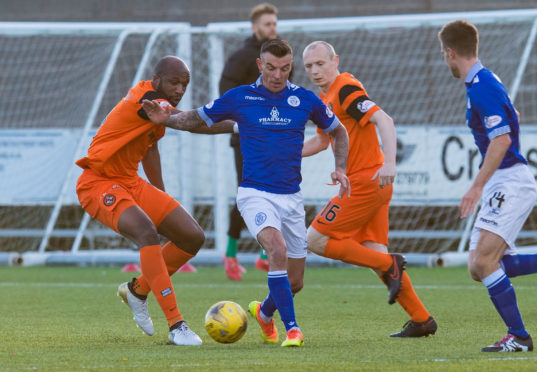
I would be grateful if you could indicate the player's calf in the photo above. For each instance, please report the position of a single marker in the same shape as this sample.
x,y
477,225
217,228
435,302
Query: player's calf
x,y
394,276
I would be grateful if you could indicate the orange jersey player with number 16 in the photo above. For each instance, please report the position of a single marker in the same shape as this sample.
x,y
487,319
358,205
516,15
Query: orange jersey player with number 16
x,y
355,230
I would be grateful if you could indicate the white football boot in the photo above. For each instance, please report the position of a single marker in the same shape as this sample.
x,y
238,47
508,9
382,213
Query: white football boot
x,y
138,307
182,335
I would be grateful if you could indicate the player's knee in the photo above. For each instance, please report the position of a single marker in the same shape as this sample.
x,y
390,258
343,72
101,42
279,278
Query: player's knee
x,y
476,267
197,238
191,242
147,235
296,286
316,241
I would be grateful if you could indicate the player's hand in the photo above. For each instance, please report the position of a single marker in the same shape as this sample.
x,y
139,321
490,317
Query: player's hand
x,y
469,201
339,176
386,175
156,113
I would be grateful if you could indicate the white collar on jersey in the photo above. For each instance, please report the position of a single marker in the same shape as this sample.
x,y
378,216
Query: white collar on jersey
x,y
473,72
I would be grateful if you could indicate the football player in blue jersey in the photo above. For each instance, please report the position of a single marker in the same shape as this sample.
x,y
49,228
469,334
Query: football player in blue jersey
x,y
271,115
504,183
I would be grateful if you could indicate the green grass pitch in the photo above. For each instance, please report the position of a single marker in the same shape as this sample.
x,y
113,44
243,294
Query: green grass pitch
x,y
70,319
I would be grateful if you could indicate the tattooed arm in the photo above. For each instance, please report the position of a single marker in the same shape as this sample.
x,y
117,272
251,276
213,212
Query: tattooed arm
x,y
341,152
187,120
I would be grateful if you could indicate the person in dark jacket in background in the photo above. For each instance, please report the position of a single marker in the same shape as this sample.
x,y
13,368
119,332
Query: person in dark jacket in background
x,y
240,69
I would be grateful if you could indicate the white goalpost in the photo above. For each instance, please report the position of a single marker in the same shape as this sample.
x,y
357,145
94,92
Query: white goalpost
x,y
63,78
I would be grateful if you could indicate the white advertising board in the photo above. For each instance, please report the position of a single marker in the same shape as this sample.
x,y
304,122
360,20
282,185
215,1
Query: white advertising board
x,y
435,165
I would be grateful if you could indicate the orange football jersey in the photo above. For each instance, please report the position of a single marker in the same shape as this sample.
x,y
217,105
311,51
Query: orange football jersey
x,y
349,101
124,136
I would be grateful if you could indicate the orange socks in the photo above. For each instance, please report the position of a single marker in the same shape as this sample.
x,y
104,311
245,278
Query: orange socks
x,y
173,256
409,300
350,251
156,274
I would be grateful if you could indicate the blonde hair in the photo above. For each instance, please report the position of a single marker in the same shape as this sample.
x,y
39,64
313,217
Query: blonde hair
x,y
263,8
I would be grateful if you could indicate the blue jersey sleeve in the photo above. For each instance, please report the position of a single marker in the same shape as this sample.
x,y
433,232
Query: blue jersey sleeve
x,y
322,116
220,109
492,105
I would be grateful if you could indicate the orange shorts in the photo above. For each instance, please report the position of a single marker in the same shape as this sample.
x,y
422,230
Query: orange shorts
x,y
363,216
105,199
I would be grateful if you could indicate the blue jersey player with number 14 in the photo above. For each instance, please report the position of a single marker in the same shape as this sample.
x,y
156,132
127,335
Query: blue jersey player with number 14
x,y
504,182
271,116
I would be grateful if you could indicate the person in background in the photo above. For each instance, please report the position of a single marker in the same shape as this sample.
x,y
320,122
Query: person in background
x,y
240,69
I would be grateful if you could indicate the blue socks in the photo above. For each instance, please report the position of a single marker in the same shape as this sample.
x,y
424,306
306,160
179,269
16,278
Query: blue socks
x,y
268,307
519,264
503,297
279,297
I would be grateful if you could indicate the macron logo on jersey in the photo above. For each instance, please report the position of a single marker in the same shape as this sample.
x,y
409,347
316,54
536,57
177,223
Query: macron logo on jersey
x,y
274,118
492,121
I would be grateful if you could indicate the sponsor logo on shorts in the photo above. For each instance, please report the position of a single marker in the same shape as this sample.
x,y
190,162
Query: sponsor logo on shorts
x,y
489,222
293,101
260,218
365,105
166,292
109,199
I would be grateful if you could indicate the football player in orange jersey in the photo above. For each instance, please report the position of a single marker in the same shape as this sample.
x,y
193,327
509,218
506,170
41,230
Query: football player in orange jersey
x,y
355,230
111,191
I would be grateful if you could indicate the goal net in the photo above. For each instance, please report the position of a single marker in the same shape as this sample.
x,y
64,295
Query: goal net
x,y
60,81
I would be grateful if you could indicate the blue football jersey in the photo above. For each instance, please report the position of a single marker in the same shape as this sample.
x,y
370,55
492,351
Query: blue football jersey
x,y
490,113
271,131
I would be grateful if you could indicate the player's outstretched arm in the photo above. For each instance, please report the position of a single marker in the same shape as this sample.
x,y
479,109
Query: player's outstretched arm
x,y
187,120
341,152
315,144
384,123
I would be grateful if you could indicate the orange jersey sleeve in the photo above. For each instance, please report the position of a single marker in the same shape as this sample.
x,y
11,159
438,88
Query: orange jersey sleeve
x,y
125,135
349,101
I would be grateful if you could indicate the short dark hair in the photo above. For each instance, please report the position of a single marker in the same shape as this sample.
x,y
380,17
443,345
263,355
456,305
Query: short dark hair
x,y
461,36
277,47
264,8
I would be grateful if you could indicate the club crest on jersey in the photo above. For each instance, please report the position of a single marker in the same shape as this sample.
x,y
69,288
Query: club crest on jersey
x,y
260,218
209,105
293,101
274,118
364,106
492,121
109,199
